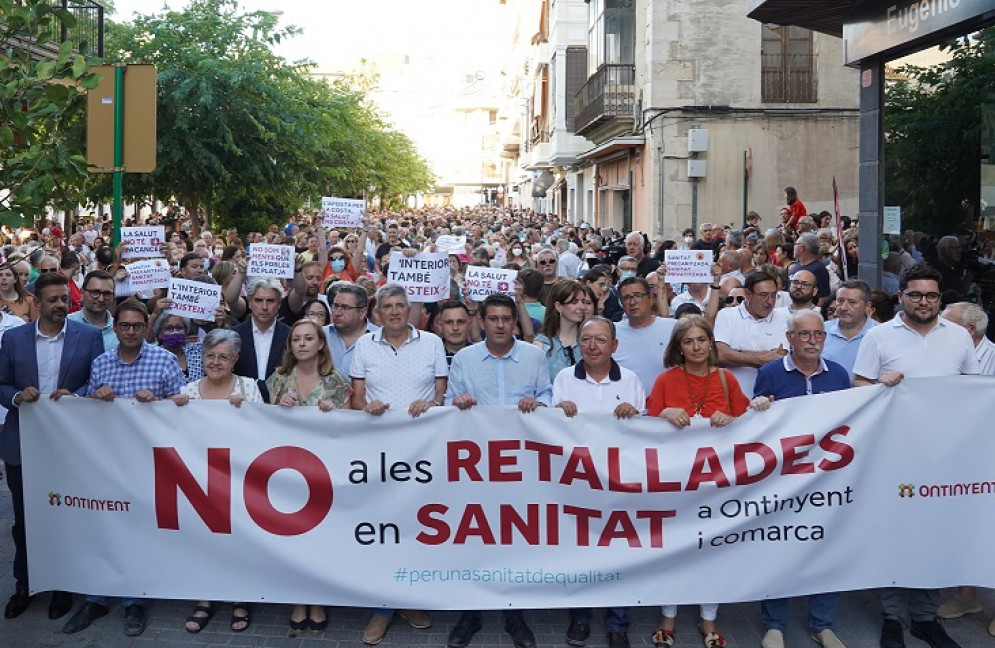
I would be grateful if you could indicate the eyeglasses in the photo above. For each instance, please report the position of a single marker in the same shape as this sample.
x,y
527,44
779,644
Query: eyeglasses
x,y
343,307
317,313
805,336
737,299
129,326
218,357
44,270
631,297
547,261
100,294
765,295
803,284
174,329
931,297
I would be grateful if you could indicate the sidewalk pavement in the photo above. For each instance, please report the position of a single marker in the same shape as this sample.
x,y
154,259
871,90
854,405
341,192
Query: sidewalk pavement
x,y
857,625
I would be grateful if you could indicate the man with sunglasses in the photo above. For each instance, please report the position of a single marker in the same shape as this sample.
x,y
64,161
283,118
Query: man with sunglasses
x,y
547,262
752,333
917,343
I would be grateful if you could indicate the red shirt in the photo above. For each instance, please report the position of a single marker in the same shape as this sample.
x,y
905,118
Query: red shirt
x,y
797,210
75,297
671,389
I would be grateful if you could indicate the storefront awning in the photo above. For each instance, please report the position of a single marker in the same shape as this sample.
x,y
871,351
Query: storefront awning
x,y
612,146
824,16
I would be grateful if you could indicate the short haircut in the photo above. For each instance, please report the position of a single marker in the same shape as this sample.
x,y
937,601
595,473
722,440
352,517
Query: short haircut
x,y
68,260
270,283
391,290
47,279
757,276
598,318
794,317
218,336
188,257
686,309
735,238
856,284
917,272
496,300
94,274
968,314
627,259
345,288
628,281
132,304
809,241
531,282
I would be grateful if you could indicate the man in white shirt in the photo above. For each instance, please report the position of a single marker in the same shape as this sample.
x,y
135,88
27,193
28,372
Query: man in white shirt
x,y
263,338
917,343
642,336
753,333
975,320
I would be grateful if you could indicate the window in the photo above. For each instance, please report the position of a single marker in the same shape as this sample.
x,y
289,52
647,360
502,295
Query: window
x,y
787,69
611,33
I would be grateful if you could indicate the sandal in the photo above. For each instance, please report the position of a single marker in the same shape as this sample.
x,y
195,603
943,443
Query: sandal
x,y
316,627
236,618
712,639
297,628
663,638
207,611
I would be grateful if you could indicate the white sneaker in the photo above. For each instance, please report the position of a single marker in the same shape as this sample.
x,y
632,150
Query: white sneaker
x,y
827,639
956,608
773,639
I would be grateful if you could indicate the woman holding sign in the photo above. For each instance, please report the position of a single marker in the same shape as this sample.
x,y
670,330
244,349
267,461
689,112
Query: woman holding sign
x,y
695,387
308,378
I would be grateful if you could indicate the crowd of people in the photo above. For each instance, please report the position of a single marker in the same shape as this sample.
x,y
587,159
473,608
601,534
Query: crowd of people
x,y
594,325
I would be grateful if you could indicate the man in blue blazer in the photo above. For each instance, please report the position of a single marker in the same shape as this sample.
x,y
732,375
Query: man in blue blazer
x,y
263,338
48,358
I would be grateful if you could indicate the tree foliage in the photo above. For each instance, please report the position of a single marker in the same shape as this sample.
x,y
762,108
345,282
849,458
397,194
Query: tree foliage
x,y
243,134
42,110
933,125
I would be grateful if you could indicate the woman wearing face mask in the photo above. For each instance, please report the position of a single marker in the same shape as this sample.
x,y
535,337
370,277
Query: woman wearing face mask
x,y
688,236
517,255
172,333
339,265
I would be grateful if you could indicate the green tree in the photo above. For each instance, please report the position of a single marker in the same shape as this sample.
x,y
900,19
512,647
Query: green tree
x,y
42,110
933,125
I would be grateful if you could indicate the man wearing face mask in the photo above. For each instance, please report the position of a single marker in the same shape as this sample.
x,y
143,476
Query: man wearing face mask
x,y
627,267
688,236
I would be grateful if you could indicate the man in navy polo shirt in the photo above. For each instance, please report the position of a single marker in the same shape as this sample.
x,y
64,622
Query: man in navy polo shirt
x,y
802,372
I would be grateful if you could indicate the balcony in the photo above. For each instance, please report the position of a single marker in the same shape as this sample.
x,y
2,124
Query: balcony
x,y
604,104
788,78
87,36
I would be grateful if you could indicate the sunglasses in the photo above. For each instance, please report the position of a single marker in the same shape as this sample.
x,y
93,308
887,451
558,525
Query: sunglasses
x,y
738,299
547,261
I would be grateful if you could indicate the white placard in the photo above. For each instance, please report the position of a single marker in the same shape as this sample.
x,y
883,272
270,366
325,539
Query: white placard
x,y
143,242
451,244
481,282
149,274
688,266
267,260
342,212
891,220
193,299
425,275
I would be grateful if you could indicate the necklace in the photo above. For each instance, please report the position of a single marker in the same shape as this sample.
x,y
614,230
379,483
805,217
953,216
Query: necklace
x,y
698,405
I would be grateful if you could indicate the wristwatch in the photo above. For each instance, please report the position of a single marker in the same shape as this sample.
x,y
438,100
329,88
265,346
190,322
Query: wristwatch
x,y
439,403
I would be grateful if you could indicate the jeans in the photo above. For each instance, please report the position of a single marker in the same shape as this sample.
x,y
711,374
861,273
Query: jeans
x,y
616,619
821,612
921,604
102,600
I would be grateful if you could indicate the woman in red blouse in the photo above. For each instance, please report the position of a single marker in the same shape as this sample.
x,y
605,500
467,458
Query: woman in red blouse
x,y
695,386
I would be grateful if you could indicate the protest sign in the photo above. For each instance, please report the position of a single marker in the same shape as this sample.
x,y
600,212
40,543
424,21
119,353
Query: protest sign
x,y
342,212
481,282
142,242
271,261
193,299
451,244
148,275
688,266
425,276
492,508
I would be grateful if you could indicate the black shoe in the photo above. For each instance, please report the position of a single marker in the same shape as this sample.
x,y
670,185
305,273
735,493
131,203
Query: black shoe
x,y
17,604
618,640
577,633
519,631
84,616
134,620
462,634
932,633
60,605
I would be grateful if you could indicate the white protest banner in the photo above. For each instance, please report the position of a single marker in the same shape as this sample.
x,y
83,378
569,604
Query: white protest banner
x,y
193,299
342,212
149,274
481,282
490,508
688,266
891,220
451,244
267,260
142,242
425,275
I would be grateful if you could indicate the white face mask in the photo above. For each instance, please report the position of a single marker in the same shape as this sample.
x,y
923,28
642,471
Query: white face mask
x,y
689,239
516,251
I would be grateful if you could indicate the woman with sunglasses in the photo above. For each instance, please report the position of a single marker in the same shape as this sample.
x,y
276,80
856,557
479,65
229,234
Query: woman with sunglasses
x,y
340,266
570,303
695,388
